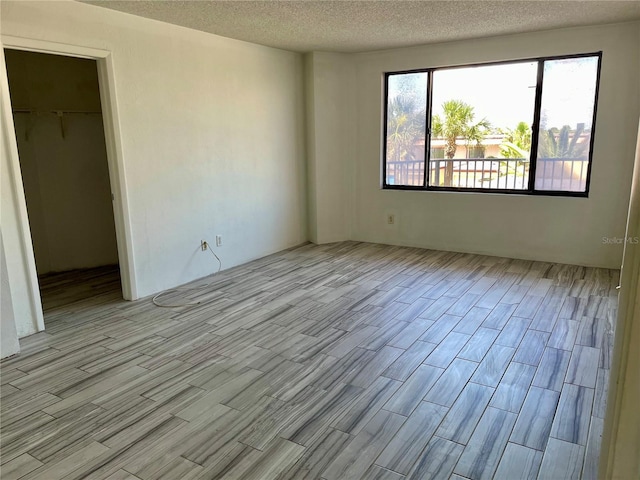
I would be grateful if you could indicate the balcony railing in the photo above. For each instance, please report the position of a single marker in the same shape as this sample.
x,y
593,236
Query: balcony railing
x,y
562,174
566,174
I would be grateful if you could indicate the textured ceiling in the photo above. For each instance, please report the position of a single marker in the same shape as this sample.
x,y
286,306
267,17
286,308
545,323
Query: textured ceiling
x,y
358,26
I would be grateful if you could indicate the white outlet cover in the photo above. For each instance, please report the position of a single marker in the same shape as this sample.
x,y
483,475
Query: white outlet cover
x,y
391,213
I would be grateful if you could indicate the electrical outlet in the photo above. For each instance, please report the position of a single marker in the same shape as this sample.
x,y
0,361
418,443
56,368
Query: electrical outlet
x,y
203,245
218,240
391,219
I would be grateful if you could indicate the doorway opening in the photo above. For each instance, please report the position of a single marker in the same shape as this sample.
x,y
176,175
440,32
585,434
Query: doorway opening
x,y
60,135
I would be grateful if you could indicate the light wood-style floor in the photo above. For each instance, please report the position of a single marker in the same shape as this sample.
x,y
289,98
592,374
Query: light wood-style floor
x,y
336,362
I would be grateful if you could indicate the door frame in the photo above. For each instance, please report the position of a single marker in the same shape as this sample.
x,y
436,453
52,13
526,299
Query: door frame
x,y
621,437
115,161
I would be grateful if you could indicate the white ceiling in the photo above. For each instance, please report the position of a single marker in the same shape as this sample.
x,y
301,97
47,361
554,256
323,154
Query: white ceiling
x,y
358,26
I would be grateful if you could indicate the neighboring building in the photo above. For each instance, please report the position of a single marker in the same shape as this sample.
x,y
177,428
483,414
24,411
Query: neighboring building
x,y
481,165
488,148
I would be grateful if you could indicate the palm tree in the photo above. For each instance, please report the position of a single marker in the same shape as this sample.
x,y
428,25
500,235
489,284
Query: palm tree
x,y
405,123
565,149
516,145
517,141
562,143
457,121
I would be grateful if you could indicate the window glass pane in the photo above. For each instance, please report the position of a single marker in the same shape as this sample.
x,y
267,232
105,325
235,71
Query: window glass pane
x,y
481,120
406,127
566,115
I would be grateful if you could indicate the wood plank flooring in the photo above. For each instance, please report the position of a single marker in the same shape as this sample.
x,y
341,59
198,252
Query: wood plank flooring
x,y
342,361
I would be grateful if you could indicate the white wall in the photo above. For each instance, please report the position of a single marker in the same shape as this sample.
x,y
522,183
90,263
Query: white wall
x,y
8,336
212,134
19,263
567,230
621,436
65,178
66,183
331,149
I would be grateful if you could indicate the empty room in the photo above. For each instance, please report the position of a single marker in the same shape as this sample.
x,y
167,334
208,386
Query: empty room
x,y
325,240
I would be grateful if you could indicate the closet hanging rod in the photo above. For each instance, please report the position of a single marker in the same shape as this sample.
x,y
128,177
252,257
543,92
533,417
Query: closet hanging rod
x,y
36,111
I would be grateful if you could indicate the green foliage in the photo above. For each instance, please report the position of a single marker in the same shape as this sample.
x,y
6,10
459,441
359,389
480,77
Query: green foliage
x,y
517,141
405,123
563,143
457,121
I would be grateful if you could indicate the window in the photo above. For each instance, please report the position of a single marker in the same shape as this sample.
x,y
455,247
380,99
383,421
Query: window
x,y
513,127
475,151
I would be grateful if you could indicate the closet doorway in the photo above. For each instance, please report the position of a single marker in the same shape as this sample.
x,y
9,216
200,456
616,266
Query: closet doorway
x,y
60,135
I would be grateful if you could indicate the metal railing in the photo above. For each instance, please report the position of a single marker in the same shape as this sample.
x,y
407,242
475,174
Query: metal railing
x,y
567,174
562,174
